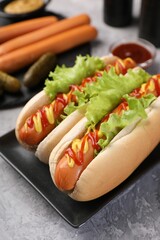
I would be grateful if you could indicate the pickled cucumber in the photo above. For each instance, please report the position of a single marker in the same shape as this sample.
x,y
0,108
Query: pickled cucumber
x,y
39,71
9,83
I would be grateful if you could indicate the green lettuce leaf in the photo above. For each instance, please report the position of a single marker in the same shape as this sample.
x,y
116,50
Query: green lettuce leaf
x,y
61,79
109,90
117,122
110,87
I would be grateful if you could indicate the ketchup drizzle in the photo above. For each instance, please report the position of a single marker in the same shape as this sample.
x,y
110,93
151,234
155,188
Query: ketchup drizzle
x,y
44,117
30,121
93,136
81,151
136,93
59,99
79,156
73,155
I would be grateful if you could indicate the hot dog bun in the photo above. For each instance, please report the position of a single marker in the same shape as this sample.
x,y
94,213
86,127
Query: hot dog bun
x,y
117,161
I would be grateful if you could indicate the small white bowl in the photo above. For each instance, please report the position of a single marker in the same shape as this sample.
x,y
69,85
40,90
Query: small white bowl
x,y
140,50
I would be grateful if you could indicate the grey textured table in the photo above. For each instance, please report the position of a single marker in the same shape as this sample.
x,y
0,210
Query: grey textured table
x,y
24,214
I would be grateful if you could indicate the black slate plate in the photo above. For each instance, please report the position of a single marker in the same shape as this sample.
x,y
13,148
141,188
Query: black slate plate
x,y
75,213
67,58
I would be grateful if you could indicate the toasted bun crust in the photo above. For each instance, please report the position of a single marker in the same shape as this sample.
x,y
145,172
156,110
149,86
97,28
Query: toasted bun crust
x,y
120,158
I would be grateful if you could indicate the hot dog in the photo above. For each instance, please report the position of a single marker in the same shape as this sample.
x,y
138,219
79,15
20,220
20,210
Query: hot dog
x,y
39,125
17,29
95,156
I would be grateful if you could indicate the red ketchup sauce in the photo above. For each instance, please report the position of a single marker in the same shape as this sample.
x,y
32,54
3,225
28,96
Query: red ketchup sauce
x,y
59,100
44,118
78,157
135,51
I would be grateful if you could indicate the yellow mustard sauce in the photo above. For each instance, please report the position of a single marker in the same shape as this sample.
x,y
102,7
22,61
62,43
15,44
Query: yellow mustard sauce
x,y
23,6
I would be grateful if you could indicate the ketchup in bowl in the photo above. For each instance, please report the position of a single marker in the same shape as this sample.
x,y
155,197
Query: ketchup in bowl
x,y
141,51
